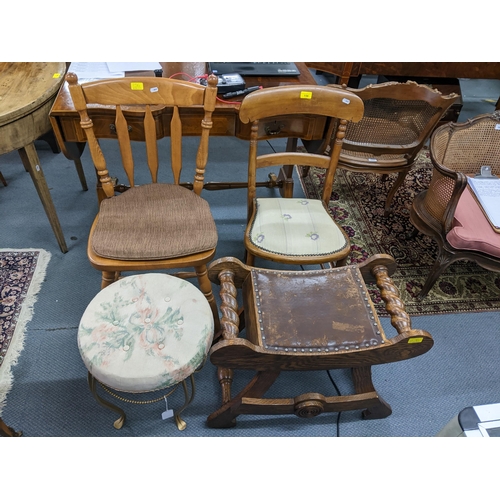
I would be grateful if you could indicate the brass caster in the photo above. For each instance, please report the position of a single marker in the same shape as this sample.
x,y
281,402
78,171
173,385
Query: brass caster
x,y
118,424
181,425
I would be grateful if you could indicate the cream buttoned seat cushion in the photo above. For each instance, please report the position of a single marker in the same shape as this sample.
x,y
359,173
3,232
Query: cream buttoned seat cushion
x,y
295,226
145,332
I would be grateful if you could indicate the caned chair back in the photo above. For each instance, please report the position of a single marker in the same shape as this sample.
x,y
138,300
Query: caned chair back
x,y
458,150
398,118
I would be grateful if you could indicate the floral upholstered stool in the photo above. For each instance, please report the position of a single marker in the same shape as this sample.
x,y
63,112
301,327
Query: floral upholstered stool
x,y
145,333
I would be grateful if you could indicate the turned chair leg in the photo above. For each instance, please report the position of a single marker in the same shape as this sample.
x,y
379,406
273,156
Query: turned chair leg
x,y
107,277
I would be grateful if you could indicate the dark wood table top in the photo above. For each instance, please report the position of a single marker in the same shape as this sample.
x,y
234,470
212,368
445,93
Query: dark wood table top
x,y
487,70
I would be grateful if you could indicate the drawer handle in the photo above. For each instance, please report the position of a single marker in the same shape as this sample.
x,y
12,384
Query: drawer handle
x,y
112,127
274,129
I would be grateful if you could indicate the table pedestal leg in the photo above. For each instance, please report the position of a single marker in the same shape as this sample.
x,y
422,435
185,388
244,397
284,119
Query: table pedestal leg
x,y
31,163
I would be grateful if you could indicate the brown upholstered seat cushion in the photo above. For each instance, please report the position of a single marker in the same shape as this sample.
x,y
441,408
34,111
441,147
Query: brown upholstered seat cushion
x,y
154,221
471,229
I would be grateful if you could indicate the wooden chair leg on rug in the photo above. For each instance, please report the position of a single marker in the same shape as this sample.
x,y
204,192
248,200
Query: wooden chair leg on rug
x,y
397,183
6,431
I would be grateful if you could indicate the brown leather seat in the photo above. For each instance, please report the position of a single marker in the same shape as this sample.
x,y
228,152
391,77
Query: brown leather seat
x,y
307,320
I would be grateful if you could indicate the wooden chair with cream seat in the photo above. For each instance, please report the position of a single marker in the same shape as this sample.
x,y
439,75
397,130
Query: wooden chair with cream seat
x,y
447,211
397,121
154,225
302,321
293,230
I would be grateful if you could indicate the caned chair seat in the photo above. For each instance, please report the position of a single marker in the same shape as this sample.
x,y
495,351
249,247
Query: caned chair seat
x,y
144,214
295,226
363,156
145,333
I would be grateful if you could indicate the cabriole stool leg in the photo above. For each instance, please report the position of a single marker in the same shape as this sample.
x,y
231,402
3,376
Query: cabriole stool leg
x,y
181,424
118,424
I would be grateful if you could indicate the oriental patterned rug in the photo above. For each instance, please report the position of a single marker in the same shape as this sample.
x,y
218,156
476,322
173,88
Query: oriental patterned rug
x,y
21,275
357,204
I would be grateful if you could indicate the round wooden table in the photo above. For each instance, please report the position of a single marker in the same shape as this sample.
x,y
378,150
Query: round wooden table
x,y
27,92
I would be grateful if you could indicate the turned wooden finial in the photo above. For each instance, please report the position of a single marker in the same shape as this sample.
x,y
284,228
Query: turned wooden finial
x,y
212,80
72,78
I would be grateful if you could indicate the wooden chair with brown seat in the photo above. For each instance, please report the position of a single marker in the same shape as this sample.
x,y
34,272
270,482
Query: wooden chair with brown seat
x,y
398,120
447,211
295,230
307,321
155,225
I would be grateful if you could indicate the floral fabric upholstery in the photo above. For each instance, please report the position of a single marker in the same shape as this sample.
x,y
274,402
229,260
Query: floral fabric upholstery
x,y
295,226
145,332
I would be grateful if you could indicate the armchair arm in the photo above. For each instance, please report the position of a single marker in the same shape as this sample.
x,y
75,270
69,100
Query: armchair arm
x,y
444,192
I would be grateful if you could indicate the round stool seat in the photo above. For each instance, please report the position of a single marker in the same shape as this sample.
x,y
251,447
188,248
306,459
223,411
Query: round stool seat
x,y
145,332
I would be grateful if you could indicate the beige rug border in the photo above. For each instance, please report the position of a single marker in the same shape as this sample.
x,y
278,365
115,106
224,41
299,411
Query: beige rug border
x,y
17,343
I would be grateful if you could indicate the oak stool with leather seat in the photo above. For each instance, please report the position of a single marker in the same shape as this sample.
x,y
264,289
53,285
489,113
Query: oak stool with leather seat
x,y
307,321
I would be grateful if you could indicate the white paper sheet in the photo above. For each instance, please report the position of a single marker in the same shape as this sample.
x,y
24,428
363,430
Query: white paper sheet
x,y
89,71
133,66
487,191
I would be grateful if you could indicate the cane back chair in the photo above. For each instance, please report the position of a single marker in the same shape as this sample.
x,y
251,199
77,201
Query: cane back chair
x,y
295,230
398,120
306,321
154,225
447,211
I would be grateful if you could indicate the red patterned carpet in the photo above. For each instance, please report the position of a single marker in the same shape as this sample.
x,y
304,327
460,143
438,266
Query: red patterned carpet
x,y
357,203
